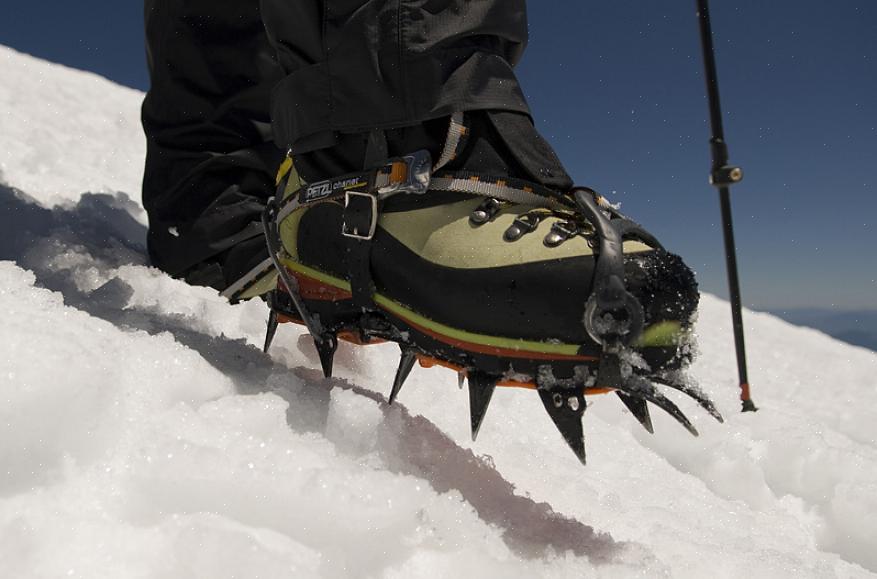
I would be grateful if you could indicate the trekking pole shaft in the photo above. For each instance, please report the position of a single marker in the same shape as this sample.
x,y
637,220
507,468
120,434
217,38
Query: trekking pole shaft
x,y
723,176
720,153
734,291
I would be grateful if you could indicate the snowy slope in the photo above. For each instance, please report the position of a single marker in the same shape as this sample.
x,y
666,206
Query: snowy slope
x,y
143,433
49,122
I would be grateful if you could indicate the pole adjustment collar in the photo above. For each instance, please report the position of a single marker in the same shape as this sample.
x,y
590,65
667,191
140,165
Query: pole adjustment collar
x,y
726,176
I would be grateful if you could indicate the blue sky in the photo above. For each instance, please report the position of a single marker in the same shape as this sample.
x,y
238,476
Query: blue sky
x,y
617,88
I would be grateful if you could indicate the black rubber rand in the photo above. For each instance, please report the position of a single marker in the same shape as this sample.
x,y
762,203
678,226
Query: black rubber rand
x,y
534,301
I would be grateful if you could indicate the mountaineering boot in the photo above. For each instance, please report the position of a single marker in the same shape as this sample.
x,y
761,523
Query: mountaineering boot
x,y
464,241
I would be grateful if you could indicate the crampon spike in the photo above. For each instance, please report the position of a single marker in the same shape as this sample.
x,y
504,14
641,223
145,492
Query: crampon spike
x,y
481,387
405,366
693,393
326,347
639,408
461,379
646,390
273,322
566,407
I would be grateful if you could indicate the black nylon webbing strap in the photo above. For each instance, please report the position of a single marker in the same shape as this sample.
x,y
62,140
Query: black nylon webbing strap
x,y
387,179
335,188
359,271
359,224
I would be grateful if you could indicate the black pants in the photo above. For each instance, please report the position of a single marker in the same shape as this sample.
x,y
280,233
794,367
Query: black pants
x,y
235,84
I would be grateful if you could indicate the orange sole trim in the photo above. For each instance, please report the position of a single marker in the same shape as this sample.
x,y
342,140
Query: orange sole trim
x,y
430,362
312,289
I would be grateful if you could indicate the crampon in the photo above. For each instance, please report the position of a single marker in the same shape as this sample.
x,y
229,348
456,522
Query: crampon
x,y
506,282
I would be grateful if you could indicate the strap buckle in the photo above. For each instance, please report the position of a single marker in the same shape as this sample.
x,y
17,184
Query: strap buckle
x,y
410,174
360,215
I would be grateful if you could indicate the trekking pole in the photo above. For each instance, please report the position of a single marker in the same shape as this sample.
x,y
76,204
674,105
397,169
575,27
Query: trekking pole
x,y
722,176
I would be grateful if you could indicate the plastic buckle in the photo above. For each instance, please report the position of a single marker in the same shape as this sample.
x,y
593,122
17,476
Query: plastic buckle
x,y
418,166
353,208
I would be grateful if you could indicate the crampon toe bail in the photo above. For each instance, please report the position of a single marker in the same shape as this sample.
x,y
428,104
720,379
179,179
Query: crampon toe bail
x,y
612,314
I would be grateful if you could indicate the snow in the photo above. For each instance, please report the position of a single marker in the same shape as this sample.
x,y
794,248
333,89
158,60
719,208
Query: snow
x,y
51,116
144,434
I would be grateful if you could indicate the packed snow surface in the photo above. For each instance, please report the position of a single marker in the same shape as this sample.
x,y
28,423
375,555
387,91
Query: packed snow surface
x,y
144,434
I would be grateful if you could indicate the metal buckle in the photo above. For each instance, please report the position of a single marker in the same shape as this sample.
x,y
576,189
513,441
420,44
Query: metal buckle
x,y
418,167
354,232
